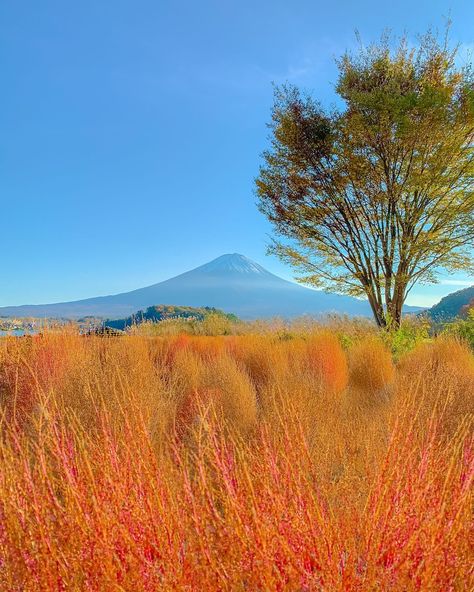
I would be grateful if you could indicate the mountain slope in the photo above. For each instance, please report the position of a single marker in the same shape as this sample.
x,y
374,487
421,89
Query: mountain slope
x,y
231,282
163,312
452,305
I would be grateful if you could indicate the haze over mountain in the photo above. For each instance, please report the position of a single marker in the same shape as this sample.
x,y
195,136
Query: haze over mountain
x,y
231,282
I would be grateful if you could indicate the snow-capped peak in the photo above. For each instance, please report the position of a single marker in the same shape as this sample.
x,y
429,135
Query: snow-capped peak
x,y
235,263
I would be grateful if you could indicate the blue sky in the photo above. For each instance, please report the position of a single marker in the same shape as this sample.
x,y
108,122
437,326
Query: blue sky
x,y
131,131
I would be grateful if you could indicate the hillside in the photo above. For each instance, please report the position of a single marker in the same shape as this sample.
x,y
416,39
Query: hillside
x,y
452,305
164,312
231,282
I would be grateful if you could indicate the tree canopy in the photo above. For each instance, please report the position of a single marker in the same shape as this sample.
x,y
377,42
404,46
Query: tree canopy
x,y
376,196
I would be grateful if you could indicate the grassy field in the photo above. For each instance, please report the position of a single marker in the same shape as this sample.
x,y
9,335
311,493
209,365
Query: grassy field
x,y
304,460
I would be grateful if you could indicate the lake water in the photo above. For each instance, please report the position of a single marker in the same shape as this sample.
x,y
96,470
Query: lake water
x,y
16,332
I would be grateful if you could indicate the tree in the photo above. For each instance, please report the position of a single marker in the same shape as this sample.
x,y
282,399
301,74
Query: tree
x,y
377,196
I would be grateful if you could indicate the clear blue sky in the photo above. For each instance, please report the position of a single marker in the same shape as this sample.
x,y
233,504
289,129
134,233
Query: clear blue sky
x,y
130,131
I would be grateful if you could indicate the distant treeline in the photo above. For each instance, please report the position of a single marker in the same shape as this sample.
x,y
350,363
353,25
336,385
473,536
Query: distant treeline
x,y
456,304
164,312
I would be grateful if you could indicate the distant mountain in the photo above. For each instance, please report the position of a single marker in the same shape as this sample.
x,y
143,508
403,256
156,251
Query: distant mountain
x,y
452,305
232,283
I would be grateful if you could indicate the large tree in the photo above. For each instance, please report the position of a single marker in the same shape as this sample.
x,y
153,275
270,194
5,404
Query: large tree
x,y
376,196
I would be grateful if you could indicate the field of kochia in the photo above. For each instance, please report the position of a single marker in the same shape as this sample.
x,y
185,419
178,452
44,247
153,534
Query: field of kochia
x,y
301,461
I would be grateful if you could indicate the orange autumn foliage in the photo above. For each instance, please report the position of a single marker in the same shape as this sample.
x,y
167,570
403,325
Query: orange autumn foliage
x,y
327,361
234,463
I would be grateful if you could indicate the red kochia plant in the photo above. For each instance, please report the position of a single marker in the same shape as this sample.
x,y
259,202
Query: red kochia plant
x,y
106,514
175,345
228,496
327,361
20,387
372,372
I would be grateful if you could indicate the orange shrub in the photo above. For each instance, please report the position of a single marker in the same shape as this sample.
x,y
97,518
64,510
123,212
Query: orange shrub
x,y
18,383
327,362
444,371
160,463
443,357
175,345
211,347
264,358
372,372
234,395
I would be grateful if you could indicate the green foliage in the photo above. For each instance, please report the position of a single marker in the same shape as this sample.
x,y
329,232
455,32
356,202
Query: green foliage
x,y
183,316
462,328
411,332
215,323
346,341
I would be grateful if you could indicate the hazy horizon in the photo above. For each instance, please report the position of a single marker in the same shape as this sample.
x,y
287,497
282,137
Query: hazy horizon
x,y
456,286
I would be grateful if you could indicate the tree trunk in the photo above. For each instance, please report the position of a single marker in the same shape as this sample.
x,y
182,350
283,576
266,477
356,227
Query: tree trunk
x,y
377,309
396,305
396,312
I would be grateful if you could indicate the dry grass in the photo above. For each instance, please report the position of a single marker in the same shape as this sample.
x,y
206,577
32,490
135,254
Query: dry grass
x,y
372,372
247,462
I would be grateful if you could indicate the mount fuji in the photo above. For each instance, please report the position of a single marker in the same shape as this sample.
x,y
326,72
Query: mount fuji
x,y
231,282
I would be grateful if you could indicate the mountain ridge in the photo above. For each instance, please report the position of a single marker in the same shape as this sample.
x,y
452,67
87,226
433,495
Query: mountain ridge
x,y
452,305
231,282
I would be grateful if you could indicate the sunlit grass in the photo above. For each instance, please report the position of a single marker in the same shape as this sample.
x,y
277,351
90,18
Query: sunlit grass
x,y
245,462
